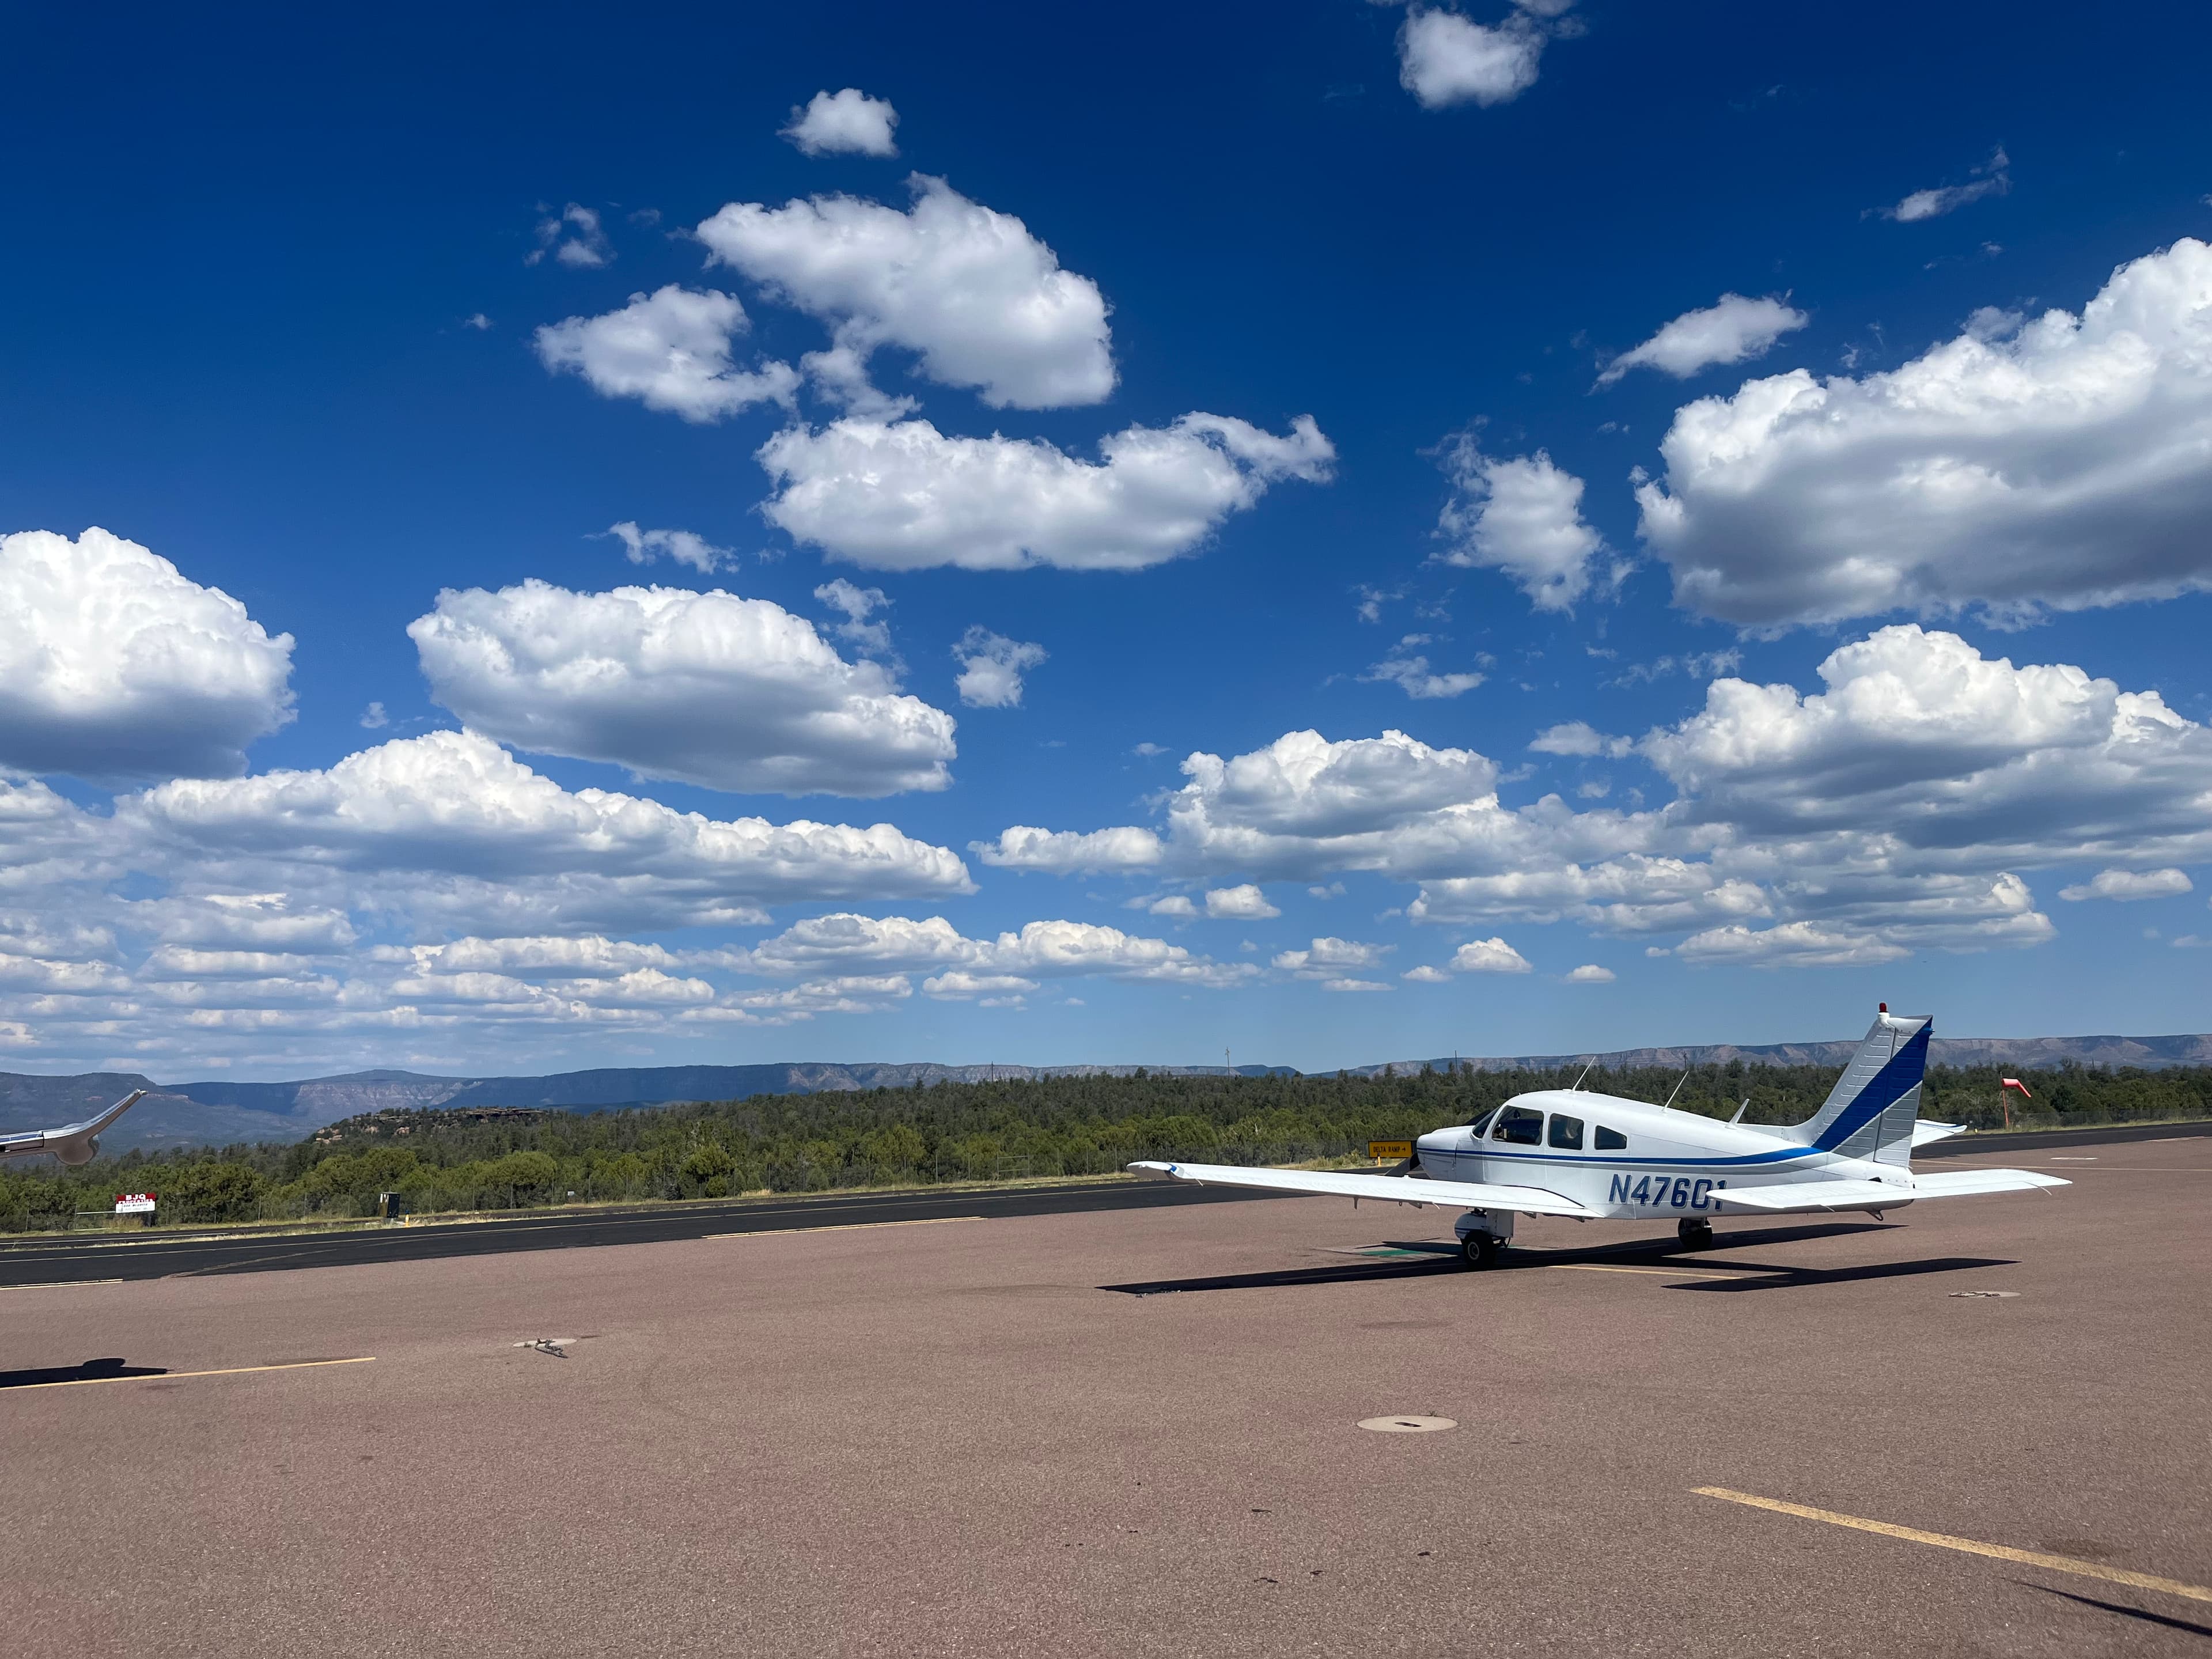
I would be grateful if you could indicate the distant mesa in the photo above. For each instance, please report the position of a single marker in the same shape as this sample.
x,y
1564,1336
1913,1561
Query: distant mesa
x,y
394,1122
219,1114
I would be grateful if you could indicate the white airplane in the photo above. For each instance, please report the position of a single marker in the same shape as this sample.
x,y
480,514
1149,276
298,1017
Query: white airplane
x,y
79,1143
1563,1151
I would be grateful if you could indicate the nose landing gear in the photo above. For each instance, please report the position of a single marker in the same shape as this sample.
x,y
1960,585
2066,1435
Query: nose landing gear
x,y
1695,1232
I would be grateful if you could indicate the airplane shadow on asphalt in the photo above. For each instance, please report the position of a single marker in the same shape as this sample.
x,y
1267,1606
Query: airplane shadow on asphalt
x,y
1764,1276
2121,1609
1440,1259
1361,1273
92,1371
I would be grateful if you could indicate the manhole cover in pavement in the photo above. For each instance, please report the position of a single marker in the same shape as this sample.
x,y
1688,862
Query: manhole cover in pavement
x,y
1406,1425
1993,1296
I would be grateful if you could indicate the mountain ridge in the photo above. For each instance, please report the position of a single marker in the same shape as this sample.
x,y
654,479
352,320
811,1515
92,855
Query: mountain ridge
x,y
221,1113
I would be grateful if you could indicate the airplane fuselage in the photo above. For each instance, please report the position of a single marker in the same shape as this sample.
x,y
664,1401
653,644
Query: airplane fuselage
x,y
1666,1164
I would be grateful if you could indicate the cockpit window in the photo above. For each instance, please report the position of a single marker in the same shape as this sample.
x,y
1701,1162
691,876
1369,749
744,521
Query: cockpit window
x,y
1519,1125
1611,1140
1482,1123
1566,1133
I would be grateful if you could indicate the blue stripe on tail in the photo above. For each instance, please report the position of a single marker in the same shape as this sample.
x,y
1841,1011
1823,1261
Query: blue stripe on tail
x,y
1902,1074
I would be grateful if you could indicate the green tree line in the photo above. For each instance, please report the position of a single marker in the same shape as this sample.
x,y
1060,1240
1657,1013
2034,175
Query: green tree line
x,y
960,1131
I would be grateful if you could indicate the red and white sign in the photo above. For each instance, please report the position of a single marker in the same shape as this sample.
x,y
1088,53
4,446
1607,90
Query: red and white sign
x,y
134,1203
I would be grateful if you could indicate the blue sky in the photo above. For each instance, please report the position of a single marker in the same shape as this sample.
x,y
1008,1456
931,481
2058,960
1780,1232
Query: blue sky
x,y
1382,315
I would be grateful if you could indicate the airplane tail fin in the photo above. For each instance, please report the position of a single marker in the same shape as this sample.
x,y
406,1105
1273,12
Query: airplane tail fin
x,y
1871,1111
79,1143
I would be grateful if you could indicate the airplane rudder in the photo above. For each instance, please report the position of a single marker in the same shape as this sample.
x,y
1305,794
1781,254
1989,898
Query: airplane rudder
x,y
1880,1084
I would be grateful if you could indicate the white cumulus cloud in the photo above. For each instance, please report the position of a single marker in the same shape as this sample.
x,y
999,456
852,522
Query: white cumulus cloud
x,y
847,123
1065,852
115,666
707,688
455,804
981,302
991,989
1411,673
573,237
1444,58
992,666
1041,950
1733,330
1892,810
2131,885
1522,515
2054,462
1992,178
1245,902
684,546
901,496
1919,736
1590,974
671,350
1300,807
1962,916
858,604
1488,956
1329,957
1581,739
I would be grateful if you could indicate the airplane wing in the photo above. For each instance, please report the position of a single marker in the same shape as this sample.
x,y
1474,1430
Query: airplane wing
x,y
1927,1130
1811,1197
73,1144
1394,1190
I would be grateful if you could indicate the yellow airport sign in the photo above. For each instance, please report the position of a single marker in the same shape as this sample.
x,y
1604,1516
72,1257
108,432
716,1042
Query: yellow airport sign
x,y
1380,1150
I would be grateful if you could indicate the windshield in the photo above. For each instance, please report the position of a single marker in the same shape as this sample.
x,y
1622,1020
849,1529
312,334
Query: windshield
x,y
1482,1122
1521,1125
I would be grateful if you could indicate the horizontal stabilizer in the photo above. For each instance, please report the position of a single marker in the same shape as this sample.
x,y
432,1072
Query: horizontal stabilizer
x,y
1394,1190
1964,1183
1813,1197
1927,1132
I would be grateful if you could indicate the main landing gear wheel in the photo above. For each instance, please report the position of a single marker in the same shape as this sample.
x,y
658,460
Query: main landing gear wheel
x,y
1697,1233
1481,1250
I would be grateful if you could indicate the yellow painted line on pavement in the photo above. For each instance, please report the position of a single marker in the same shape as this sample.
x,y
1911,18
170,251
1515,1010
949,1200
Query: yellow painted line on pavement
x,y
59,1284
1967,1546
1664,1272
849,1226
172,1377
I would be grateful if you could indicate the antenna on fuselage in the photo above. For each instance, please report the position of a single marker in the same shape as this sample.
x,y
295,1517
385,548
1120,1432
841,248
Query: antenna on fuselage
x,y
1740,1111
1579,1081
1676,1090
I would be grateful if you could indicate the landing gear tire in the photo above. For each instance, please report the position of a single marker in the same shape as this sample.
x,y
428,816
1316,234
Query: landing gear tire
x,y
1696,1234
1479,1250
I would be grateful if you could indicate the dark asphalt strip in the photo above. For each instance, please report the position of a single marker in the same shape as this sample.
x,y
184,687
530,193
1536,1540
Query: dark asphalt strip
x,y
2026,1140
107,1258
